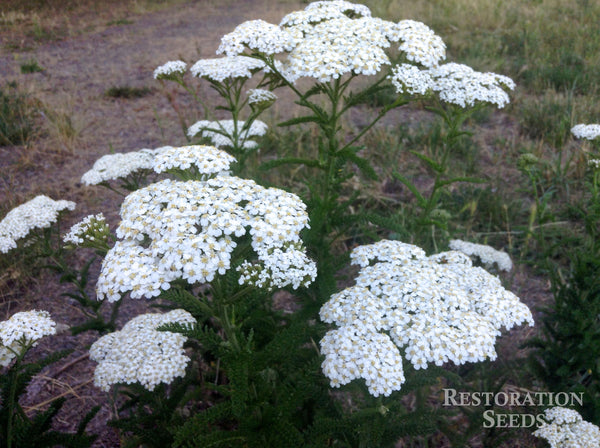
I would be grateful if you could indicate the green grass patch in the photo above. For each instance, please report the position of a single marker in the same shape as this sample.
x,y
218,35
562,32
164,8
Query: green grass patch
x,y
31,66
17,115
127,92
120,22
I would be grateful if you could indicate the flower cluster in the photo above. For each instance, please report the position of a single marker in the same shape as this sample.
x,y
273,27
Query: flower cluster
x,y
329,39
321,11
488,255
89,232
281,266
565,429
172,230
420,43
438,309
139,353
21,331
411,79
455,83
120,165
222,133
594,163
39,213
172,70
260,98
207,160
257,35
586,131
219,69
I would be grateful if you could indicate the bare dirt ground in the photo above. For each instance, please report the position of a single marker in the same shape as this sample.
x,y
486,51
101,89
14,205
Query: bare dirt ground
x,y
78,70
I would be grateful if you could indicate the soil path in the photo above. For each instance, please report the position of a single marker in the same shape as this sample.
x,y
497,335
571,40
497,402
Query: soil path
x,y
77,73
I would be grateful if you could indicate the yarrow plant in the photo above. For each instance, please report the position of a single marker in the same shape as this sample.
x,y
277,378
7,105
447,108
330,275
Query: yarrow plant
x,y
226,75
18,335
216,246
565,428
435,309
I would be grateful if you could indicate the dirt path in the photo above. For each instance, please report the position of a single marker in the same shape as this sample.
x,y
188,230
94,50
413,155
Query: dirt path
x,y
77,73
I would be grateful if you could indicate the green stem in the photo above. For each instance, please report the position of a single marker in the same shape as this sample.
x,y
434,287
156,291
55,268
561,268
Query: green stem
x,y
12,404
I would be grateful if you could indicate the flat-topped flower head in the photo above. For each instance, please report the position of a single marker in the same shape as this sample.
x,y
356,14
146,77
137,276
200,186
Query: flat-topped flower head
x,y
257,35
39,213
329,39
454,83
339,46
22,331
317,12
172,70
139,353
219,69
461,85
187,230
586,131
420,44
203,160
92,231
120,165
565,428
436,309
221,133
487,254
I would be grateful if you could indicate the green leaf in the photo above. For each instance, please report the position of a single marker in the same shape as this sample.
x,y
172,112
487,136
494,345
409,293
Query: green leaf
x,y
429,161
362,164
420,199
353,99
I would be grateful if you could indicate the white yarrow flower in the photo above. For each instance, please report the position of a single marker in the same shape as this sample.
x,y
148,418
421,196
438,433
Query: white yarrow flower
x,y
219,69
565,428
407,78
187,230
120,165
487,254
438,309
461,85
39,213
257,35
170,70
139,353
21,330
260,96
586,131
206,160
88,230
